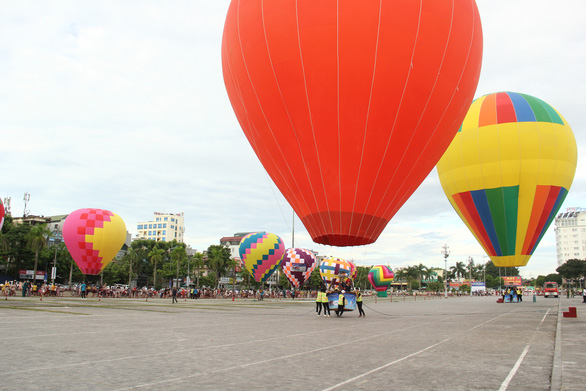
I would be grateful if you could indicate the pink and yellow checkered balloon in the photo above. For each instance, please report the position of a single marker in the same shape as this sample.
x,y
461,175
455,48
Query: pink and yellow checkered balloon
x,y
93,238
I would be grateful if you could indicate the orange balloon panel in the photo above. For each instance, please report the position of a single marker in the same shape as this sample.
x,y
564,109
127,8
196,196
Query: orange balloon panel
x,y
350,104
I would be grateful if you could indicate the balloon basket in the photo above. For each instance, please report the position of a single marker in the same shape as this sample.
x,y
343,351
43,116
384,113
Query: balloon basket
x,y
382,294
350,301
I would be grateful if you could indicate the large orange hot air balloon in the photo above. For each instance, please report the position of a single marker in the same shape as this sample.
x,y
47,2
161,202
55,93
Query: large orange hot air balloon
x,y
350,104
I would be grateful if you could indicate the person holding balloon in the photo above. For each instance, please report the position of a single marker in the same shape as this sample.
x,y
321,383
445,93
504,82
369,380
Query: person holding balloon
x,y
359,304
318,301
325,302
341,304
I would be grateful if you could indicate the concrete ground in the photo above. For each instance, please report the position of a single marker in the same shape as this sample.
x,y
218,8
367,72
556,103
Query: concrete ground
x,y
468,343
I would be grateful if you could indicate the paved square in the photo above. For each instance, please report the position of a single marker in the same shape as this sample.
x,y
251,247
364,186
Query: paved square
x,y
468,343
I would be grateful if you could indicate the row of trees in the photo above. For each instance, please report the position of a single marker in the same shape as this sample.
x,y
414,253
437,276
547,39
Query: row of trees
x,y
156,264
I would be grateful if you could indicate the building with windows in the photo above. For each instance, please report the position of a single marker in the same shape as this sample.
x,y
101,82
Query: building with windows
x,y
165,227
570,235
233,243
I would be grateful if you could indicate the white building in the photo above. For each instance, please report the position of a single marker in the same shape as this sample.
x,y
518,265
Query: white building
x,y
570,235
233,243
165,227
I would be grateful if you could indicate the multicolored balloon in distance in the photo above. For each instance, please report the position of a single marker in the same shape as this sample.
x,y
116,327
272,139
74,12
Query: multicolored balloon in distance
x,y
508,171
353,270
2,214
93,238
380,278
261,253
350,104
332,269
297,265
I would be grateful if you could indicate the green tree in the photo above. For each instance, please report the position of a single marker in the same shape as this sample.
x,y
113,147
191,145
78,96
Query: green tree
x,y
15,254
156,255
435,286
421,271
315,280
219,260
131,257
198,264
37,239
178,262
459,270
361,280
553,277
572,269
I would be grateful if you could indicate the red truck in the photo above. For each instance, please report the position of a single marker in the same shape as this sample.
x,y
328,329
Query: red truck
x,y
550,288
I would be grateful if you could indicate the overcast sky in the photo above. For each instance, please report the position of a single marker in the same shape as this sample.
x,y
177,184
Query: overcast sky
x,y
122,106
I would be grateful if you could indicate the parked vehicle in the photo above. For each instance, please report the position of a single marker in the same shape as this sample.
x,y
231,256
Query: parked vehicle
x,y
550,288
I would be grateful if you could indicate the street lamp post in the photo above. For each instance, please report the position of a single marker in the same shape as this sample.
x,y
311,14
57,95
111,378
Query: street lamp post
x,y
446,254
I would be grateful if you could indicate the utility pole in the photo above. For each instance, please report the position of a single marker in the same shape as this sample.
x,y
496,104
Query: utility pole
x,y
446,253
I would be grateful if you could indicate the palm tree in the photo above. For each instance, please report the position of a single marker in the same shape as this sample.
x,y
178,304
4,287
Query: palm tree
x,y
132,256
179,255
219,260
421,271
156,255
5,246
459,270
198,264
36,239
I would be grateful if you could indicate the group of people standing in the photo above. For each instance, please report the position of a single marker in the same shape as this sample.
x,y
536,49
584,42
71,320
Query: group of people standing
x,y
322,302
513,292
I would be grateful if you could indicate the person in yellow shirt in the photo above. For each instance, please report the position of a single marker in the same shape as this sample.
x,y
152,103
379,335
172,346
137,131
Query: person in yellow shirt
x,y
341,304
359,304
318,299
325,303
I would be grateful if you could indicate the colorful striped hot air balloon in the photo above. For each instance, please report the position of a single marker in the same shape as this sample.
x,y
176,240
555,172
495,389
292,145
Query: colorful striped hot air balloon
x,y
507,172
93,238
261,253
332,270
353,270
380,278
297,265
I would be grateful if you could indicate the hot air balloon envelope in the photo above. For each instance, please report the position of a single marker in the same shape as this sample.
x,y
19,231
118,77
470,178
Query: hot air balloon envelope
x,y
93,238
2,214
261,253
333,270
298,264
380,278
350,104
508,171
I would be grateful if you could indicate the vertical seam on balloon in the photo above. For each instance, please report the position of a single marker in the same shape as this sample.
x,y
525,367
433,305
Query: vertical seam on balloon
x,y
288,117
452,97
413,133
366,124
397,113
338,109
309,112
260,106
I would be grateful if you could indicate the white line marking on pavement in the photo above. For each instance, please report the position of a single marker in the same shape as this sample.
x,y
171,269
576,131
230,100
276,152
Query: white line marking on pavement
x,y
411,355
514,369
